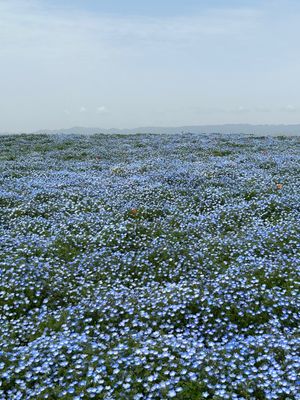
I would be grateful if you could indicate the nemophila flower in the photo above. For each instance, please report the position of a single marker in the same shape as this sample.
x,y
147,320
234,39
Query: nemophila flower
x,y
199,291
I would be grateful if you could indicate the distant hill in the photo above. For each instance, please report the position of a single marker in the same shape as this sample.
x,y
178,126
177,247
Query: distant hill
x,y
228,128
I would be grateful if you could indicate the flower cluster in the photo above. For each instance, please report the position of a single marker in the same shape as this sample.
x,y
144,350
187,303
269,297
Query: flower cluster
x,y
149,267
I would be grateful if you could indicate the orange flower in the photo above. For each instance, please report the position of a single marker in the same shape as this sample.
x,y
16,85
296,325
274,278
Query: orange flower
x,y
279,185
133,211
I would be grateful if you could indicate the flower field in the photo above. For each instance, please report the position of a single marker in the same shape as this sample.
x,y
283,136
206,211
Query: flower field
x,y
149,267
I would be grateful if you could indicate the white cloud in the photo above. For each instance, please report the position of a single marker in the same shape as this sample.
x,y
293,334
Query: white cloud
x,y
32,23
102,110
290,108
242,109
82,109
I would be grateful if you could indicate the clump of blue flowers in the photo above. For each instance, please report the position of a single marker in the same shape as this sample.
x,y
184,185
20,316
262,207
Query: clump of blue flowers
x,y
149,267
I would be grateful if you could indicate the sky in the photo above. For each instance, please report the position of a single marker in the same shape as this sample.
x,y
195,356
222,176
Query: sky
x,y
126,63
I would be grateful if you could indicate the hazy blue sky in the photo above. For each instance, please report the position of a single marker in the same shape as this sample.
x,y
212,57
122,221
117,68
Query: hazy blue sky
x,y
120,63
